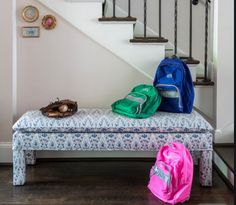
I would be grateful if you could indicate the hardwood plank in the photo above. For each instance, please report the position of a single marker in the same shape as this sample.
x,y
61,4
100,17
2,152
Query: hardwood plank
x,y
223,177
102,183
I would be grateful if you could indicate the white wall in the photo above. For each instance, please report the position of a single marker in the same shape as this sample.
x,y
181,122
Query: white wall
x,y
6,56
224,66
65,63
5,70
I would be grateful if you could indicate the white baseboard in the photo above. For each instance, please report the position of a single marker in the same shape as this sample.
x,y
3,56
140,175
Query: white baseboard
x,y
225,135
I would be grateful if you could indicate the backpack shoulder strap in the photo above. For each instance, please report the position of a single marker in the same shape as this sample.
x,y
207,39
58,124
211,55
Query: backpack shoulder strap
x,y
188,88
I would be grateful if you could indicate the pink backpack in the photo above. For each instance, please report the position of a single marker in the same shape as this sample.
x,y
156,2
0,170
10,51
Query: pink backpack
x,y
171,176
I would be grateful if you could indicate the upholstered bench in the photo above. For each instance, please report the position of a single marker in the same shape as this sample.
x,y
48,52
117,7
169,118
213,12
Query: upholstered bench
x,y
103,130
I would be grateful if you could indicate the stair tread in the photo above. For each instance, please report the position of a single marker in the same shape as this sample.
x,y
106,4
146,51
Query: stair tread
x,y
226,153
200,82
105,19
190,61
148,40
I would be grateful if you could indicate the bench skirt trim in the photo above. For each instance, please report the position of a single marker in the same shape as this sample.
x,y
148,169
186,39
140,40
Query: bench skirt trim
x,y
109,141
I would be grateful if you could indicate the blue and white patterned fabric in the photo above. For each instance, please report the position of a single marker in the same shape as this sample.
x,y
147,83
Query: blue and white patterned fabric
x,y
104,120
102,130
109,141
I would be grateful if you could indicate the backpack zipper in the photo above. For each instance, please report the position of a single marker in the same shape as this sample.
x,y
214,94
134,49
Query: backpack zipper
x,y
139,100
180,99
165,177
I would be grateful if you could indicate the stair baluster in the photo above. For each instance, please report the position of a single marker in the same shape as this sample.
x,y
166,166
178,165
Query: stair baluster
x,y
103,8
160,38
175,27
160,19
145,18
129,8
145,38
114,17
190,59
206,42
114,8
205,80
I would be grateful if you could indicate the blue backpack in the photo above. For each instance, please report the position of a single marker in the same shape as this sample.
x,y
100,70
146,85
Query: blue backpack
x,y
174,82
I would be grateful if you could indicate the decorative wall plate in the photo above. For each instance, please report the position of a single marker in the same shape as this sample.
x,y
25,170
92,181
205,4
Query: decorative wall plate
x,y
49,22
30,13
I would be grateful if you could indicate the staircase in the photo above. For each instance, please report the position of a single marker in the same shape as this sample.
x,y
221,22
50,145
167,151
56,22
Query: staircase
x,y
116,33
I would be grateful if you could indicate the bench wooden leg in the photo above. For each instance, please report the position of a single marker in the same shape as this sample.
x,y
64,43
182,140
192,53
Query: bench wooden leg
x,y
19,167
205,168
30,157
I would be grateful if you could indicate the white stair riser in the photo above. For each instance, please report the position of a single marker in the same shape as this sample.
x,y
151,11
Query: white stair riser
x,y
193,71
77,13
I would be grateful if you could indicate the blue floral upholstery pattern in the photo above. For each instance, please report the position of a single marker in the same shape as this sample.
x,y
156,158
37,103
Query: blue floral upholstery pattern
x,y
109,141
102,130
104,120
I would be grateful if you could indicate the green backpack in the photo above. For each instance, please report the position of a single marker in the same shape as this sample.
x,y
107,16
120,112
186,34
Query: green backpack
x,y
141,102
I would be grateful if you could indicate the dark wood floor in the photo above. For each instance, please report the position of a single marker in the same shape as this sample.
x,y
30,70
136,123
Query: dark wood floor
x,y
100,183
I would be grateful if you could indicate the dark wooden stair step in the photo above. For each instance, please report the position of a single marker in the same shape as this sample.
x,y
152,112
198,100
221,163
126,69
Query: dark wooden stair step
x,y
148,40
188,60
169,49
201,82
119,19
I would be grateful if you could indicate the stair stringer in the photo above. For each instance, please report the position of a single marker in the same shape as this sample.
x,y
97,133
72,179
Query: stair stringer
x,y
112,36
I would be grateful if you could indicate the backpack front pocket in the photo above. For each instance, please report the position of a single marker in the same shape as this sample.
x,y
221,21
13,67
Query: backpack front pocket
x,y
132,103
160,180
171,98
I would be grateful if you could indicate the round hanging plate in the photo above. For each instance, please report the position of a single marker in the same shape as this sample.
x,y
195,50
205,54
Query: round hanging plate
x,y
49,22
30,13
